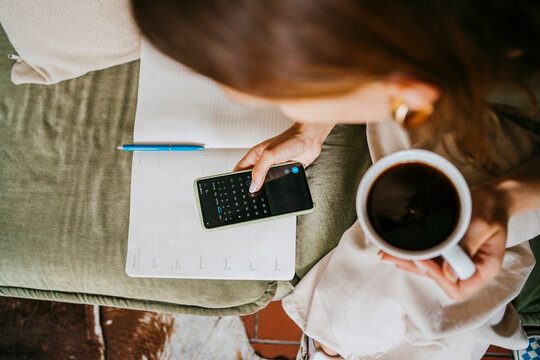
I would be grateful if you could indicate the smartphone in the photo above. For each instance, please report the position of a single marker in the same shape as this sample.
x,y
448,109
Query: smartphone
x,y
224,200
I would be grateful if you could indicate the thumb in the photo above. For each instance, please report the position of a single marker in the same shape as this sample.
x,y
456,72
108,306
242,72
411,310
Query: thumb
x,y
248,160
449,273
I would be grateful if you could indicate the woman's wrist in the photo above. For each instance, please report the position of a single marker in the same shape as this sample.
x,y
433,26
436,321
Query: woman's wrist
x,y
516,195
506,193
520,188
316,131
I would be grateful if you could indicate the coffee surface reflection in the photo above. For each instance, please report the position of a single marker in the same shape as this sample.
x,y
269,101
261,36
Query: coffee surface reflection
x,y
413,206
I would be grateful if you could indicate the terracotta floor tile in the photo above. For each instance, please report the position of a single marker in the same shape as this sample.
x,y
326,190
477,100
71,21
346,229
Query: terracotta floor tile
x,y
497,350
498,353
249,324
272,351
274,324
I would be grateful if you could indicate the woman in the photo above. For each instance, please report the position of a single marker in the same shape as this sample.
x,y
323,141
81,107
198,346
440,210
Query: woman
x,y
432,66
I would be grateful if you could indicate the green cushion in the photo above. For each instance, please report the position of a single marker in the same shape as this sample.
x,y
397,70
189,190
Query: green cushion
x,y
64,200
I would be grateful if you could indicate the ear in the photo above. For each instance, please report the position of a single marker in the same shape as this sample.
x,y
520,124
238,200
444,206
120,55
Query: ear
x,y
417,95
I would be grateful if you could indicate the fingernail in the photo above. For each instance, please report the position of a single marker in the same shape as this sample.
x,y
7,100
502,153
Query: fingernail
x,y
452,276
252,187
420,266
380,255
389,262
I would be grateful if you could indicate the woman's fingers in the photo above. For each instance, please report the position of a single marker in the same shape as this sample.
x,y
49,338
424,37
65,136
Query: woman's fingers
x,y
436,272
488,260
407,265
428,268
250,159
449,273
489,257
300,143
271,152
258,173
459,289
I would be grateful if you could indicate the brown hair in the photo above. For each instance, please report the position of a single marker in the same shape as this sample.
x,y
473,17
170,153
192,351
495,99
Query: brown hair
x,y
312,48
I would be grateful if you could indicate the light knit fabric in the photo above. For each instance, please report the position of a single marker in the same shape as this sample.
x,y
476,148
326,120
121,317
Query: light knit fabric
x,y
62,39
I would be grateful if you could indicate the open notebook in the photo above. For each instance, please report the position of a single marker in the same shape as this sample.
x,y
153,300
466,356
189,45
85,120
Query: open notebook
x,y
165,236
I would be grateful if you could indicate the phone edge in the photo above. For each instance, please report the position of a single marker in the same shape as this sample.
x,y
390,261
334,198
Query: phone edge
x,y
199,208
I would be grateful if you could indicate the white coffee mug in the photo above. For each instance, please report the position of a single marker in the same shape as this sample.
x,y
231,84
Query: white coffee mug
x,y
448,248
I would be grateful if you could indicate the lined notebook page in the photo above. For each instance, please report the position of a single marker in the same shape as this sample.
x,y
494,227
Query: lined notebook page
x,y
175,105
165,235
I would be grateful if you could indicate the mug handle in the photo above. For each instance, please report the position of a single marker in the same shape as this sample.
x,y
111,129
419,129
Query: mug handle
x,y
460,262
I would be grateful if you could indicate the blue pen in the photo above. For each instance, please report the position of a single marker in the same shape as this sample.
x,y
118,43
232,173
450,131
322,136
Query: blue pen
x,y
132,147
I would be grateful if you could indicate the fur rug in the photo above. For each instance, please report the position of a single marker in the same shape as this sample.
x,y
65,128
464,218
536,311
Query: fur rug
x,y
31,329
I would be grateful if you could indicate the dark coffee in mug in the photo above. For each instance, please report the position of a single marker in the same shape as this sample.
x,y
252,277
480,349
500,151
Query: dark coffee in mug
x,y
413,206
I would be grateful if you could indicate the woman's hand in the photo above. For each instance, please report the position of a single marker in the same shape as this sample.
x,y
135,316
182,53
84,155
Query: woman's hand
x,y
300,142
494,203
484,242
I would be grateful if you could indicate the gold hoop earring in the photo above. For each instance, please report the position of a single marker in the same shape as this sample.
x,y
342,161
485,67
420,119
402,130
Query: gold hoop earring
x,y
409,119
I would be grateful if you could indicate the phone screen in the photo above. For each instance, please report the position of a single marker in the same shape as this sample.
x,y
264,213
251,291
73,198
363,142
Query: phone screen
x,y
226,200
